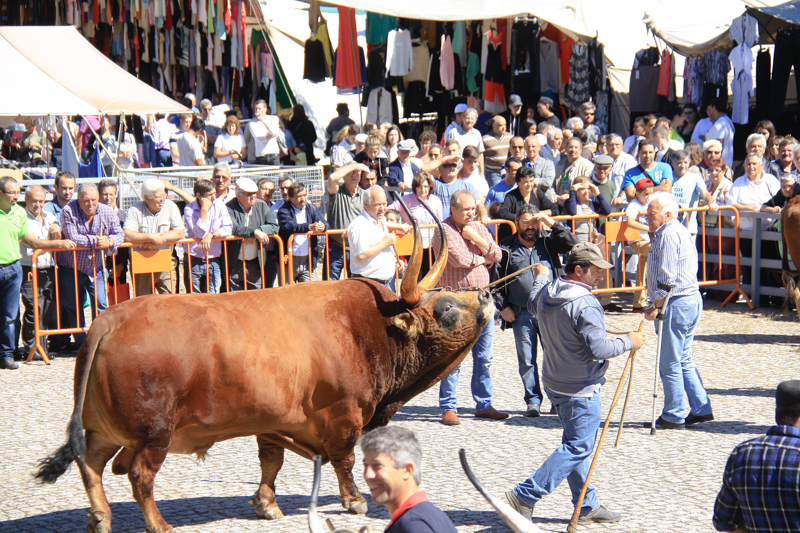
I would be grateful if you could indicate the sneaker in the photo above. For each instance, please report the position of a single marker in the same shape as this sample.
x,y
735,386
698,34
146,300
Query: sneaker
x,y
663,424
522,508
601,514
9,364
450,418
533,411
697,419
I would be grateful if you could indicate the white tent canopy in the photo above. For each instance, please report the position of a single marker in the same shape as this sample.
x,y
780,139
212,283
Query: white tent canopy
x,y
58,72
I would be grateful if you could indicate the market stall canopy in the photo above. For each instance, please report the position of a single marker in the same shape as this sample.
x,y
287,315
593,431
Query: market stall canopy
x,y
773,19
49,56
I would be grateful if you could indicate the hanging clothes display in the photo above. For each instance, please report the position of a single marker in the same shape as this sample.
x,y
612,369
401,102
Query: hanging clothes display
x,y
666,75
578,88
378,28
399,56
348,73
446,64
382,106
494,94
692,81
787,55
525,57
763,82
314,68
549,66
644,81
714,69
741,58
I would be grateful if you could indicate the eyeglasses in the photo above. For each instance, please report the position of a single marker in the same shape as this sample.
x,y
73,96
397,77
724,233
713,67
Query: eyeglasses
x,y
159,198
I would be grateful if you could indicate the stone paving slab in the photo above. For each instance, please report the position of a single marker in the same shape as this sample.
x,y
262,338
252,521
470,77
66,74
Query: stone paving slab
x,y
662,483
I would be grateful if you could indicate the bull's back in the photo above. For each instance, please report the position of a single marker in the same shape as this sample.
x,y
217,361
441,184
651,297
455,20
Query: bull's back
x,y
232,364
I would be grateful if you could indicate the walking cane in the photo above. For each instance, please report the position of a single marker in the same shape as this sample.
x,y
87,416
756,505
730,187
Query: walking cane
x,y
573,523
659,328
627,394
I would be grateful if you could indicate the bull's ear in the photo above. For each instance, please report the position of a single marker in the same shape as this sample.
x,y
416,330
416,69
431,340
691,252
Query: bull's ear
x,y
408,323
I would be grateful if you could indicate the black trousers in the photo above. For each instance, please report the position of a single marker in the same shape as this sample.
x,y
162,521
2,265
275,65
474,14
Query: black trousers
x,y
763,83
787,55
24,321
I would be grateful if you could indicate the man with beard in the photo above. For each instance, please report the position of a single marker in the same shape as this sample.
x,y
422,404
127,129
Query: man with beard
x,y
539,240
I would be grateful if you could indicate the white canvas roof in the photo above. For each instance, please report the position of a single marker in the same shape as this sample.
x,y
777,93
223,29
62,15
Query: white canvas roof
x,y
53,70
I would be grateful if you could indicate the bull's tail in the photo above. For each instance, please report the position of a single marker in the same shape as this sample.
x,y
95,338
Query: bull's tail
x,y
55,465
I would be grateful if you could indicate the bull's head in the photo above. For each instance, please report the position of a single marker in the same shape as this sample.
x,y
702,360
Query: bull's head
x,y
410,291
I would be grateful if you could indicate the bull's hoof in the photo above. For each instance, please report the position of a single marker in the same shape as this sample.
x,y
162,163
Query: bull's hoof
x,y
96,524
154,529
265,509
358,507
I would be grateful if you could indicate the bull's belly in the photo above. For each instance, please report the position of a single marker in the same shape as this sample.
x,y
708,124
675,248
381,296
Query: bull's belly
x,y
197,440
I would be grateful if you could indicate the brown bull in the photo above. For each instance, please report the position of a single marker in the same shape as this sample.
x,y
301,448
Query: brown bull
x,y
305,368
790,229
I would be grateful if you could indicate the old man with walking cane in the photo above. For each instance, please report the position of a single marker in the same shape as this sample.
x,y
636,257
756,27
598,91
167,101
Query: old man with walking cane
x,y
576,353
672,285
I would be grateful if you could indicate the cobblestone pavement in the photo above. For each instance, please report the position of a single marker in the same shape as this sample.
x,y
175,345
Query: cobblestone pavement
x,y
661,483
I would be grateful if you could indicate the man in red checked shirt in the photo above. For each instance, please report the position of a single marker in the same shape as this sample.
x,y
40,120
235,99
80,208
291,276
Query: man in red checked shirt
x,y
393,472
471,250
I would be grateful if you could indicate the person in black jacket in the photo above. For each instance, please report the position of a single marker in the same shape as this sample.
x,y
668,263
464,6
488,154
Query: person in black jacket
x,y
299,216
304,132
252,219
539,239
525,193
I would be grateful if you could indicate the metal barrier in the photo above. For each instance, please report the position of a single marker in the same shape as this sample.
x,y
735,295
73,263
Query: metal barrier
x,y
150,266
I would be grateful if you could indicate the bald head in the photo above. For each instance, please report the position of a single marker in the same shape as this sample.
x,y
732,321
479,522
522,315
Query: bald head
x,y
375,202
532,147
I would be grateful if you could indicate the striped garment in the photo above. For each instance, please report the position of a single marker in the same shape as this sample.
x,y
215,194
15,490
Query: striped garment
x,y
672,261
761,484
75,227
462,270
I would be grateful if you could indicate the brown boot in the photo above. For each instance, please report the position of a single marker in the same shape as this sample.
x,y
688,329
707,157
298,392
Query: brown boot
x,y
491,413
450,418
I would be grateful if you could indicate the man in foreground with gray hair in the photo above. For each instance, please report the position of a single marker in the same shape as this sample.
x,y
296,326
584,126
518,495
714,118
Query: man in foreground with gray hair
x,y
393,472
673,262
153,223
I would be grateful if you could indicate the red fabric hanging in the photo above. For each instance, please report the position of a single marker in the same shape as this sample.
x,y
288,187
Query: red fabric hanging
x,y
168,22
243,30
348,74
227,16
95,12
664,74
502,29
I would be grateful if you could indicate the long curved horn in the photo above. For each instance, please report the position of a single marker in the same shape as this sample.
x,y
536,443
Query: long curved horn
x,y
409,289
515,521
314,523
432,277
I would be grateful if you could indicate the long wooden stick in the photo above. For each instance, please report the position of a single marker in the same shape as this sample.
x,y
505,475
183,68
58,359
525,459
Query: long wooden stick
x,y
515,274
573,523
627,394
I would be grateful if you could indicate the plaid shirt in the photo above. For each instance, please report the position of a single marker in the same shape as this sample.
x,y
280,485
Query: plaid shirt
x,y
74,227
761,484
462,270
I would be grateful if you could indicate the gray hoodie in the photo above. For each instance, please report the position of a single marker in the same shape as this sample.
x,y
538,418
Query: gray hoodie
x,y
573,332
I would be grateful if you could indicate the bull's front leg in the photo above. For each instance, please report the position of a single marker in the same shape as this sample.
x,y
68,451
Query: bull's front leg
x,y
343,461
271,457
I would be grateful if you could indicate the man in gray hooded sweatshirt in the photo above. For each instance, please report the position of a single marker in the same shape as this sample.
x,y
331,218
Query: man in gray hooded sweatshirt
x,y
576,353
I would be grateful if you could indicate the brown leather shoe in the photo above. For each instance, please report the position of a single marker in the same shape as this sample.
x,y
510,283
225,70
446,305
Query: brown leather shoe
x,y
491,413
450,418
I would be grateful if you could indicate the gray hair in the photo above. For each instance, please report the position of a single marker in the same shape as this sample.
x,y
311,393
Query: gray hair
x,y
190,96
753,137
471,110
86,187
613,137
106,183
32,189
588,106
455,199
551,133
369,198
205,102
151,186
794,150
711,142
398,443
574,123
526,209
222,165
544,127
679,155
666,201
754,155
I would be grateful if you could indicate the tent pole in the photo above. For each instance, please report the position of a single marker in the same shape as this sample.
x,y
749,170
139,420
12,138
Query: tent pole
x,y
120,133
356,62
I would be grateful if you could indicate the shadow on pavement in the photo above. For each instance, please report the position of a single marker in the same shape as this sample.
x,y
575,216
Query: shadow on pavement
x,y
746,338
126,516
766,393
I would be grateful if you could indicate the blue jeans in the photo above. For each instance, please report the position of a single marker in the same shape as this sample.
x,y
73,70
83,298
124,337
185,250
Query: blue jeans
x,y
525,331
163,158
10,284
199,282
66,287
336,260
678,372
493,178
481,375
580,419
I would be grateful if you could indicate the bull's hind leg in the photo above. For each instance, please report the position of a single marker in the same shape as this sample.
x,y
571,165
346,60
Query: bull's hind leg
x,y
98,452
271,457
142,473
343,458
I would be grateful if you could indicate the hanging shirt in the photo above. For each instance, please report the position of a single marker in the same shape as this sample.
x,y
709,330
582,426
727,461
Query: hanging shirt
x,y
447,64
741,59
399,55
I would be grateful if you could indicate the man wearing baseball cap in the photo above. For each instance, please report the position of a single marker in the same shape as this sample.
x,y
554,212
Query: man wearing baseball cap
x,y
576,353
761,486
545,110
459,118
514,117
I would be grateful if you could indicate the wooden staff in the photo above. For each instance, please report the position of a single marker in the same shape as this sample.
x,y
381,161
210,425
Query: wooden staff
x,y
627,394
515,274
573,523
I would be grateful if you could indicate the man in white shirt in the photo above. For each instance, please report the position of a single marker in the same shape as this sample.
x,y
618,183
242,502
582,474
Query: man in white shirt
x,y
723,129
190,151
264,130
371,243
701,129
467,135
623,161
459,118
43,225
552,150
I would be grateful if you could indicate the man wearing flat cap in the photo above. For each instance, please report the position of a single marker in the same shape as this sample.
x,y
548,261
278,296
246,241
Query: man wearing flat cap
x,y
252,219
761,483
576,353
402,170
